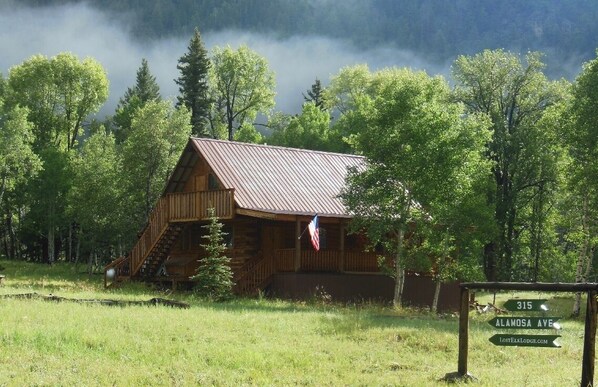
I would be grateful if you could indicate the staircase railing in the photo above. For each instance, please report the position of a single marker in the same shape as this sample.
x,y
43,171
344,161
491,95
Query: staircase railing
x,y
157,223
121,270
179,207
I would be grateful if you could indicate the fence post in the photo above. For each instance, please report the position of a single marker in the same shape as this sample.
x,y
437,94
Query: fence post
x,y
587,367
463,332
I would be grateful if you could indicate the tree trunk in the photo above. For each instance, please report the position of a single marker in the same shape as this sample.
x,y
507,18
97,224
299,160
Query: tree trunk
x,y
437,284
441,269
490,261
50,236
90,263
51,244
78,249
509,243
229,119
399,269
148,208
2,187
69,255
5,242
536,231
17,245
12,240
583,257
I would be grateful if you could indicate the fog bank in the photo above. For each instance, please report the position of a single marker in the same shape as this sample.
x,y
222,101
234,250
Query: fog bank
x,y
84,31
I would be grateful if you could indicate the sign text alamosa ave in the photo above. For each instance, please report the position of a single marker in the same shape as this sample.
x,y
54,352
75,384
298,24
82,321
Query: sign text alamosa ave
x,y
524,322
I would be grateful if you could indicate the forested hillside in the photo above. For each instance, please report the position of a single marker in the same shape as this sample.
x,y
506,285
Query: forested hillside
x,y
499,151
436,29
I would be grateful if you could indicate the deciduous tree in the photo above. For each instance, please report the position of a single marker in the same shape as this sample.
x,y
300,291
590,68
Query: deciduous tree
x,y
158,135
18,163
96,197
514,95
418,147
241,86
309,130
60,93
582,140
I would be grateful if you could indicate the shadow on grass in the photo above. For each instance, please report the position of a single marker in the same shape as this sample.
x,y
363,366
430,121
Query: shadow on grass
x,y
350,323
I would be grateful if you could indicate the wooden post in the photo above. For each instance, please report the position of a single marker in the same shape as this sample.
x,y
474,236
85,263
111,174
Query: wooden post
x,y
587,367
342,247
297,244
463,332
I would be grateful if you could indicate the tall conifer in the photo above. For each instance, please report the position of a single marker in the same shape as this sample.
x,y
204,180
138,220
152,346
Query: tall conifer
x,y
146,89
315,95
193,83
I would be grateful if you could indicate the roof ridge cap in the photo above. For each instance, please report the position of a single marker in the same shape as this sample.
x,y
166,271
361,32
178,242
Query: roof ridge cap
x,y
302,150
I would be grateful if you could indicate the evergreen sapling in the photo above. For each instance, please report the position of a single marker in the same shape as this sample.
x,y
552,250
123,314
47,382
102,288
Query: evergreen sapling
x,y
214,277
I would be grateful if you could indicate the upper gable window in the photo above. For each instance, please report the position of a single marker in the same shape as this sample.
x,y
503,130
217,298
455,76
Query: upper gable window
x,y
212,182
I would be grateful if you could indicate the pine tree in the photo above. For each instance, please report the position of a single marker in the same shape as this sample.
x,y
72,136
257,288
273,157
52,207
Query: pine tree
x,y
315,95
193,83
146,89
214,277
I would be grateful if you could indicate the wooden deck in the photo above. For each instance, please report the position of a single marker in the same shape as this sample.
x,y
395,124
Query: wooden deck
x,y
160,230
326,261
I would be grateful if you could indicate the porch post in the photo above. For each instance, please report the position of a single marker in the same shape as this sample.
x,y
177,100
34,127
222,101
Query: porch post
x,y
342,246
297,244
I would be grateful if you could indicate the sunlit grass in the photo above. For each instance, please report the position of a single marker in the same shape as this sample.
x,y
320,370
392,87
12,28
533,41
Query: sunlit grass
x,y
252,341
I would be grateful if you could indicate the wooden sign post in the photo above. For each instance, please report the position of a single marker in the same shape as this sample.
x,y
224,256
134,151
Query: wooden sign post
x,y
587,371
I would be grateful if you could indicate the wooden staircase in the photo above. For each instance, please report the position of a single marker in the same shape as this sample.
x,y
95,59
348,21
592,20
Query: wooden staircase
x,y
164,226
157,256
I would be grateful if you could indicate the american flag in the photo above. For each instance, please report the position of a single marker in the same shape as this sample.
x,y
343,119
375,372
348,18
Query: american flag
x,y
314,232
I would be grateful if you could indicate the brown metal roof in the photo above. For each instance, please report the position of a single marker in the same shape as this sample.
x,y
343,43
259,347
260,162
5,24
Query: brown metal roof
x,y
279,180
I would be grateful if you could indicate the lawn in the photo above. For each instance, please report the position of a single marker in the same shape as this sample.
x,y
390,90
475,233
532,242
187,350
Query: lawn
x,y
253,341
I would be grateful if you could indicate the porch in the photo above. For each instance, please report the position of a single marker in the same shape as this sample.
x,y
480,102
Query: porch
x,y
289,260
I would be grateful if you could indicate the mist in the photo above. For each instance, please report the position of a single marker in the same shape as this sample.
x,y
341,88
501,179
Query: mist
x,y
89,32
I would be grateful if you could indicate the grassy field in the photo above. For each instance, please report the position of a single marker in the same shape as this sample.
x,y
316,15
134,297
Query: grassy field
x,y
252,341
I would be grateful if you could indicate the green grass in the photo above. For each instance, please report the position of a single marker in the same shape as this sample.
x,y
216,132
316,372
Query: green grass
x,y
252,341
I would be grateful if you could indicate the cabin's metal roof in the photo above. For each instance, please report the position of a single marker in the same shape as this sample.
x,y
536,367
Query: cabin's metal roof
x,y
279,180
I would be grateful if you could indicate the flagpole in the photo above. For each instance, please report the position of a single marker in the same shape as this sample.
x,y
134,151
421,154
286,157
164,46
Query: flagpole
x,y
306,227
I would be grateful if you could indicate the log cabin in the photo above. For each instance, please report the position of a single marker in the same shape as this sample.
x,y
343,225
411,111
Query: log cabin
x,y
265,196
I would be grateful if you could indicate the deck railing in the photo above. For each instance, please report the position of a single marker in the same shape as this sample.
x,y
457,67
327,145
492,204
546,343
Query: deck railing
x,y
193,206
326,260
361,261
179,207
254,277
284,259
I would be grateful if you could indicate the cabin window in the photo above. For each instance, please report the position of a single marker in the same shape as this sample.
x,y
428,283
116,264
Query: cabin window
x,y
213,182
